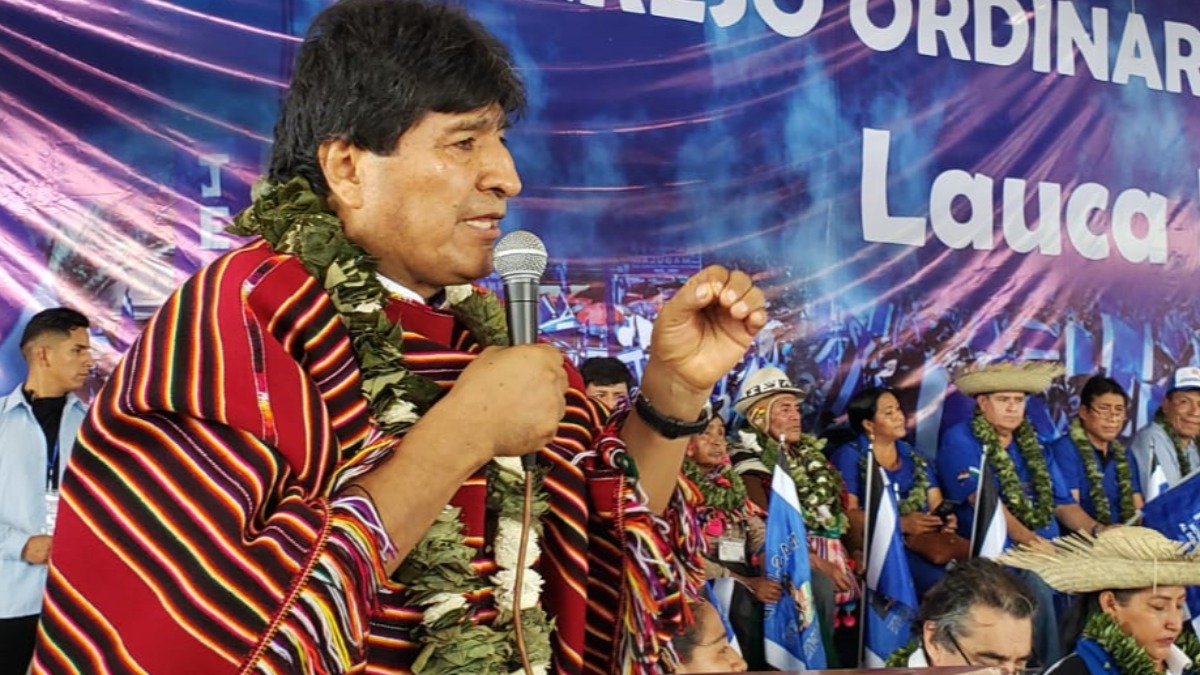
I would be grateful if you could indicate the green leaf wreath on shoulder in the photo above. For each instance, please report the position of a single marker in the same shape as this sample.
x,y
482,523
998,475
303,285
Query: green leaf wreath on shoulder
x,y
918,496
721,487
899,658
1096,477
818,483
1185,467
1036,513
1130,657
437,573
1189,644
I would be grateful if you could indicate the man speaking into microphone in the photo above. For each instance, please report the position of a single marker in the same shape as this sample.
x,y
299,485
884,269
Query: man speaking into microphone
x,y
263,484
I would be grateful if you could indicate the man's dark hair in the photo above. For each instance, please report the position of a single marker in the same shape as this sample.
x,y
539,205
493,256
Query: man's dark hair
x,y
1099,386
977,582
604,371
864,405
368,70
54,321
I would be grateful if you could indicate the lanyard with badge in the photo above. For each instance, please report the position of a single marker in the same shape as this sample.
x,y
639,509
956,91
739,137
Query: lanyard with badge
x,y
51,488
731,545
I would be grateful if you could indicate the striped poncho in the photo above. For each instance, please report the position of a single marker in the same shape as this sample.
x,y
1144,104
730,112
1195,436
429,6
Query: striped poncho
x,y
198,535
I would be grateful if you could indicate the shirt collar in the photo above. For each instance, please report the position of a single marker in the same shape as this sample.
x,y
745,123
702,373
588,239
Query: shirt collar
x,y
400,290
16,398
917,659
1177,661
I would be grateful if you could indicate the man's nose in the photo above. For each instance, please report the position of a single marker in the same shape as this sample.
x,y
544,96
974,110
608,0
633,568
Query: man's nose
x,y
499,173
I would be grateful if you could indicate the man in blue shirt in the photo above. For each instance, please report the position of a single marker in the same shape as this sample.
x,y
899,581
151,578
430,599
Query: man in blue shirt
x,y
1035,497
1090,451
38,423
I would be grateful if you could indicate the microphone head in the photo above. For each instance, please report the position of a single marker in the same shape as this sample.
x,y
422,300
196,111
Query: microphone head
x,y
520,255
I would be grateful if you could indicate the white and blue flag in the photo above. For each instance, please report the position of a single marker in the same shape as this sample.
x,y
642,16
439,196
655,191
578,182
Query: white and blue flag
x,y
791,635
989,531
1176,514
891,596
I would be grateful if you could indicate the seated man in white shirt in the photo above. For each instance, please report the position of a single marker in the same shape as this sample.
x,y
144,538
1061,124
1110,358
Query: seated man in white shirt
x,y
1165,449
979,614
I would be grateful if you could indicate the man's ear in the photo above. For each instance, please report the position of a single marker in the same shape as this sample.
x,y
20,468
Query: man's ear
x,y
927,631
38,354
341,164
1108,603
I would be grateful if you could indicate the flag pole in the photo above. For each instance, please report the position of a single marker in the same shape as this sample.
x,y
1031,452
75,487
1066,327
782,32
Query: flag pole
x,y
867,508
978,506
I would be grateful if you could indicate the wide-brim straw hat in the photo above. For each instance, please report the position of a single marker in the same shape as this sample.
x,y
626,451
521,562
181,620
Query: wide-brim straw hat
x,y
1033,377
1123,558
764,383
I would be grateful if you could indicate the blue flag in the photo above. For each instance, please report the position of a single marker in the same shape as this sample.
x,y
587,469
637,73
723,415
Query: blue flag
x,y
791,636
1176,514
720,595
891,595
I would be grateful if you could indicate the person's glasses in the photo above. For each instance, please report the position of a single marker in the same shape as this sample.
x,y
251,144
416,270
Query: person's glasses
x,y
1111,411
1005,669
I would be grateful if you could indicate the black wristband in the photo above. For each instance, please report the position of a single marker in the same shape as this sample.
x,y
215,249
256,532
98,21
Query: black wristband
x,y
669,427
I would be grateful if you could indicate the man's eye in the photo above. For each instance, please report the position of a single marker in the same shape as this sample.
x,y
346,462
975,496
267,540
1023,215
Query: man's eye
x,y
465,144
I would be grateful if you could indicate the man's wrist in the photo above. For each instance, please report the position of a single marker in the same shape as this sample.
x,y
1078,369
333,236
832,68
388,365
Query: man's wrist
x,y
672,395
669,427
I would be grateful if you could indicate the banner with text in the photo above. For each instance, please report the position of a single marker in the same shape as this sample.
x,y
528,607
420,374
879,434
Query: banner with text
x,y
917,183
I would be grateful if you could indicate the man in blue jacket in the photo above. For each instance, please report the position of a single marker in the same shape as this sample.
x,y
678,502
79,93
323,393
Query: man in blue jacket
x,y
1034,496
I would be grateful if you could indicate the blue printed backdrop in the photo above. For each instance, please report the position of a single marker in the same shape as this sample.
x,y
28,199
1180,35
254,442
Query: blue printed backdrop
x,y
654,145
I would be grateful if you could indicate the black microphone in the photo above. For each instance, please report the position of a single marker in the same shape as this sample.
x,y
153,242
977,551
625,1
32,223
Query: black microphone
x,y
520,259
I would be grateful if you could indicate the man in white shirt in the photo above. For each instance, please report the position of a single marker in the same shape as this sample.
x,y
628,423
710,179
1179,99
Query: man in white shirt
x,y
1168,444
38,423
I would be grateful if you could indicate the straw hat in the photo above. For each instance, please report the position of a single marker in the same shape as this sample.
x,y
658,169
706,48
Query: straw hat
x,y
764,383
1123,558
1032,377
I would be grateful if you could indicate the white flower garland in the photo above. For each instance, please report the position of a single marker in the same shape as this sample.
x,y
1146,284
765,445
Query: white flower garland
x,y
508,547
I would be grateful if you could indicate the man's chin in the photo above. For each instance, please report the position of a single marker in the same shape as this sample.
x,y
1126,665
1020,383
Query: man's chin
x,y
465,275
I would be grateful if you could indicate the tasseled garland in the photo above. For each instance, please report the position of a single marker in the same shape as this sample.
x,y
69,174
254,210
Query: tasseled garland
x,y
377,447
663,569
355,534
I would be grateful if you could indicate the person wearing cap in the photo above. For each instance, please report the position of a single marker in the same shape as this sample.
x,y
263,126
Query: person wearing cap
x,y
1101,474
1034,496
770,404
1130,584
734,530
1169,442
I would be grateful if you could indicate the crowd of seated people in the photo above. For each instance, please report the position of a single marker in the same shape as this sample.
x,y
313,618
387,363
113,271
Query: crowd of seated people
x,y
972,611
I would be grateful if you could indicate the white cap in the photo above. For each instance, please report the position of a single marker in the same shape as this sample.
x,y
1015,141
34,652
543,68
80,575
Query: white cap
x,y
1187,377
